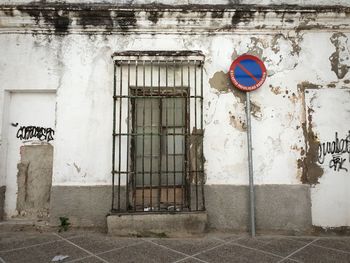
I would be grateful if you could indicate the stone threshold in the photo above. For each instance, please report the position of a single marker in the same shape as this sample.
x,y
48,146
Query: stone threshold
x,y
157,224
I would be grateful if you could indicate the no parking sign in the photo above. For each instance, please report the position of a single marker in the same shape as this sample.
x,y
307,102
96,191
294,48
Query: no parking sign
x,y
247,73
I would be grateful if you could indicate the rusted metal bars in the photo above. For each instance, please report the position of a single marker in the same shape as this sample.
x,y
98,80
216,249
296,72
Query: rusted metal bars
x,y
170,147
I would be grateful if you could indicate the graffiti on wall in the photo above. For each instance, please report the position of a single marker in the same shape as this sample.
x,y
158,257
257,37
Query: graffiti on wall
x,y
30,132
338,149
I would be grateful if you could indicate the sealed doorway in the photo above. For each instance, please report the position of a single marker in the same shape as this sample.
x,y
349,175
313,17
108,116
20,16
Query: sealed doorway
x,y
30,134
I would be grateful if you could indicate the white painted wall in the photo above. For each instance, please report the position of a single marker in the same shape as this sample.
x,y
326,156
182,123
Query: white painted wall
x,y
80,69
82,74
330,198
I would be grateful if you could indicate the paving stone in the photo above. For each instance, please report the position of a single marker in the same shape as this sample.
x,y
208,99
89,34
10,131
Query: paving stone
x,y
234,253
226,236
191,260
44,253
90,259
342,243
13,240
321,255
145,252
73,233
257,242
188,246
99,243
282,247
301,238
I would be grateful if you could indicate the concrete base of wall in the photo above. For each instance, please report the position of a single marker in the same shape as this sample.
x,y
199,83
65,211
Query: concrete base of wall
x,y
161,225
278,207
85,206
2,201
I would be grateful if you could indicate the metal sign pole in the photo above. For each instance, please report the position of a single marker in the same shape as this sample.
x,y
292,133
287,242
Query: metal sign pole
x,y
248,73
250,163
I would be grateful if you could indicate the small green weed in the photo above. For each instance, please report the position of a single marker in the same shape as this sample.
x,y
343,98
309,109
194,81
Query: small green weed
x,y
64,224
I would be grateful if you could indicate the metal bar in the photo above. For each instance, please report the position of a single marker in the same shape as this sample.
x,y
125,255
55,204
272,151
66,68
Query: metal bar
x,y
148,212
158,97
121,172
135,142
123,60
182,145
127,147
146,133
160,141
188,136
113,143
201,141
136,55
174,143
250,164
155,187
164,90
151,162
120,130
195,128
143,138
166,137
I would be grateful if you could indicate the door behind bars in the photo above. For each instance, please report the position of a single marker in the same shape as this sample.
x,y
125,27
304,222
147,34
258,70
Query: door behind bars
x,y
159,128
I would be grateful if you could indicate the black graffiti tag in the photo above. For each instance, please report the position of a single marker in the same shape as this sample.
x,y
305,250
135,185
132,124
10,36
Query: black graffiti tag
x,y
337,163
336,149
29,132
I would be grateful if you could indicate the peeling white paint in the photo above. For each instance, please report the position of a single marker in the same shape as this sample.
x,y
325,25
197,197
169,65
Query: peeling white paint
x,y
183,2
330,198
80,69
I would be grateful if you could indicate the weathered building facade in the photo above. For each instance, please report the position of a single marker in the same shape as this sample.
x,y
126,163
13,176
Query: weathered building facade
x,y
79,83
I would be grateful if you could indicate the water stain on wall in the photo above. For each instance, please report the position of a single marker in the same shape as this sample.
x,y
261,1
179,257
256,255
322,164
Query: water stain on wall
x,y
238,123
196,156
308,163
221,82
256,47
2,201
276,90
340,59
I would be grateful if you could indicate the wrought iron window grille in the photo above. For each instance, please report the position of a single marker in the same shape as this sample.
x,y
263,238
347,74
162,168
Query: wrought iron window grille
x,y
157,151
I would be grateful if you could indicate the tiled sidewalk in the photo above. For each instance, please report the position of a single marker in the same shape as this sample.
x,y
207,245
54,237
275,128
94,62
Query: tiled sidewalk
x,y
215,247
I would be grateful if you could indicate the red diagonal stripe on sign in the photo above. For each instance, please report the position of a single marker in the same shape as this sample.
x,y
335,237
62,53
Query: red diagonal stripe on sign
x,y
247,72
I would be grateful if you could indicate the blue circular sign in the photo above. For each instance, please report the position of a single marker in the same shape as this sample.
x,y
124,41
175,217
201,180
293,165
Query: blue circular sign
x,y
247,73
